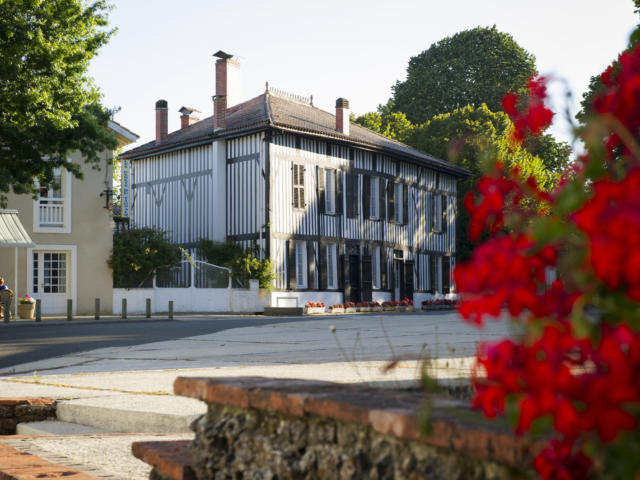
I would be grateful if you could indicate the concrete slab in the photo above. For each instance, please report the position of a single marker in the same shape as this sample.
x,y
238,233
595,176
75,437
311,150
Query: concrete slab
x,y
55,427
133,413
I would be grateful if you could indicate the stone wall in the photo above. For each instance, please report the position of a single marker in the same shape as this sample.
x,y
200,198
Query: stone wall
x,y
295,429
270,445
22,410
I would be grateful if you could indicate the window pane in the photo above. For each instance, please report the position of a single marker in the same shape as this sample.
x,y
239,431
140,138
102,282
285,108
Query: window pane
x,y
374,201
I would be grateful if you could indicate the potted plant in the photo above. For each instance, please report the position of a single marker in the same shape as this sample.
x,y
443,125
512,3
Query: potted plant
x,y
337,308
375,306
314,308
350,307
363,307
26,307
406,305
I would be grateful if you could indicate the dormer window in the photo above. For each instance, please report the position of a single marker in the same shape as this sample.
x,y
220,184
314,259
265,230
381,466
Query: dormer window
x,y
52,209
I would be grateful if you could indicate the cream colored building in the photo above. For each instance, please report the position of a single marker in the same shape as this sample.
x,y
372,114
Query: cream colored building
x,y
72,231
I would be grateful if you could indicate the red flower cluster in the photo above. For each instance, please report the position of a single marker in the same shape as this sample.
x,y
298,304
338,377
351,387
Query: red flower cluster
x,y
487,209
611,220
535,116
314,304
587,384
551,378
507,272
620,96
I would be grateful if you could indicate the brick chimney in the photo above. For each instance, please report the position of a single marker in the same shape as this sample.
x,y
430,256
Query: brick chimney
x,y
162,120
342,115
187,118
228,88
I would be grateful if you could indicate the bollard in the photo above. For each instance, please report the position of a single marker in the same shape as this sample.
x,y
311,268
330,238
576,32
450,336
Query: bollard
x,y
124,308
69,310
6,309
96,315
38,310
148,308
170,309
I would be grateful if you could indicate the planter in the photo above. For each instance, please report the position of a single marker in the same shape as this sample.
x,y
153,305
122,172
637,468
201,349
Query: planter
x,y
26,310
364,309
376,309
407,308
388,309
350,310
314,310
336,310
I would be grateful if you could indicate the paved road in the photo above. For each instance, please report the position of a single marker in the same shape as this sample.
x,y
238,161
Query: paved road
x,y
23,343
238,342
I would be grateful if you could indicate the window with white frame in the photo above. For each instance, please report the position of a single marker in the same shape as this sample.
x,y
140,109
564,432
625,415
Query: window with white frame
x,y
397,202
375,267
332,264
374,203
52,208
330,191
301,264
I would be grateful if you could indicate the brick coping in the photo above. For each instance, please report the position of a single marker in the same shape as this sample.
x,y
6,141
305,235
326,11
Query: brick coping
x,y
18,465
169,458
454,425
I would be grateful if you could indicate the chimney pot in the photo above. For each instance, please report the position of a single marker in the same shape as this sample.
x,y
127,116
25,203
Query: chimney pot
x,y
342,116
162,120
187,118
228,88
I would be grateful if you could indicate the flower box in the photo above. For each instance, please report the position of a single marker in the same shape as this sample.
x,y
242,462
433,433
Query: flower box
x,y
376,309
364,309
388,308
314,310
26,310
336,310
350,310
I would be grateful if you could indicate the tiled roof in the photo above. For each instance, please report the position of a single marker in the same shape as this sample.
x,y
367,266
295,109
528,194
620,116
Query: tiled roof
x,y
278,111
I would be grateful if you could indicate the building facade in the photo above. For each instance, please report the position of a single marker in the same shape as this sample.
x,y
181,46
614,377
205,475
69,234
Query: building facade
x,y
344,214
72,231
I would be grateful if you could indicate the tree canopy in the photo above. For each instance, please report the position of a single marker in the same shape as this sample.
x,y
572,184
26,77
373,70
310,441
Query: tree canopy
x,y
49,106
472,137
471,67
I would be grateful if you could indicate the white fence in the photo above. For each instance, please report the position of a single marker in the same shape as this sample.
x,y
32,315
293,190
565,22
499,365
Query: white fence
x,y
206,288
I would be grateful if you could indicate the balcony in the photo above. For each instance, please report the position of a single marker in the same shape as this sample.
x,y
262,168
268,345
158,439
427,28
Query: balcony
x,y
51,213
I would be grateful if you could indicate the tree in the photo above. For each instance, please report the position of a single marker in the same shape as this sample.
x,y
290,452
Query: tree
x,y
471,138
138,253
49,107
470,68
388,123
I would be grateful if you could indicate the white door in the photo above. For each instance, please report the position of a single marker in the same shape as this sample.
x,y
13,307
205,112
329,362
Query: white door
x,y
51,280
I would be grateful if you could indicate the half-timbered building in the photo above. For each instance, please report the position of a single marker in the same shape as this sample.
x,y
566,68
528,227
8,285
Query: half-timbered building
x,y
345,214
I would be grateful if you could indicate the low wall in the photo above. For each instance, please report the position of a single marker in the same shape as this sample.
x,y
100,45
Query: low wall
x,y
21,410
190,300
277,428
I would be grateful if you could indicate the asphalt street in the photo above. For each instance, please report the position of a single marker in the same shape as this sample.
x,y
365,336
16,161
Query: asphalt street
x,y
238,342
23,343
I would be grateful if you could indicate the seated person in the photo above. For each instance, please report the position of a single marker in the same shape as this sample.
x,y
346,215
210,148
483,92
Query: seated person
x,y
4,290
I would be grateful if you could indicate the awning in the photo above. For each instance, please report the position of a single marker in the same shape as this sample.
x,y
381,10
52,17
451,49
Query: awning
x,y
12,233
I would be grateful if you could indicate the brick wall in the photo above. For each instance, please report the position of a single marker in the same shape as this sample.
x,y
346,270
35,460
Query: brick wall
x,y
22,410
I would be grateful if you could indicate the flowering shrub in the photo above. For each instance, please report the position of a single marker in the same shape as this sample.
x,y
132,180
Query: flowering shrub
x,y
349,305
337,305
314,305
25,299
576,368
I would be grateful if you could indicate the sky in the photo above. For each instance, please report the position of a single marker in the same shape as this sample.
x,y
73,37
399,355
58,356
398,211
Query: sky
x,y
354,49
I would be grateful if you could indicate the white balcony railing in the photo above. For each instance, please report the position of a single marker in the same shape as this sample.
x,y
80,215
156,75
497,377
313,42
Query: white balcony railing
x,y
52,212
